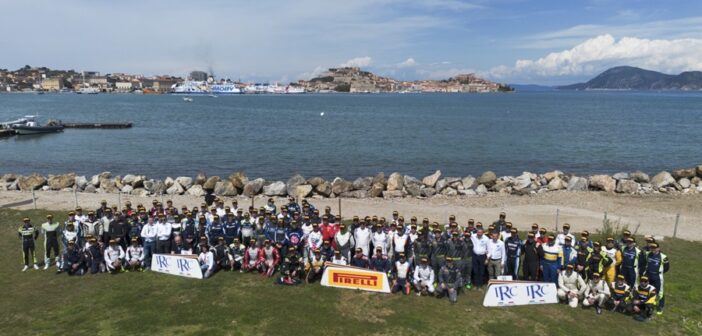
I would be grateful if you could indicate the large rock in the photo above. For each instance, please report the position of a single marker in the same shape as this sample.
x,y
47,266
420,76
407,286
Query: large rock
x,y
603,182
684,173
169,181
9,177
107,185
553,174
428,191
141,192
469,182
414,189
355,194
201,178
211,183
80,182
627,187
449,192
395,182
699,170
95,180
481,189
522,182
340,186
155,187
197,190
31,182
640,177
90,189
315,181
127,189
293,182
621,176
175,189
58,182
685,183
129,179
301,191
440,185
430,181
577,183
185,181
467,192
376,190
557,184
453,182
276,188
392,194
379,178
238,179
488,179
662,179
252,188
324,189
407,180
362,183
225,188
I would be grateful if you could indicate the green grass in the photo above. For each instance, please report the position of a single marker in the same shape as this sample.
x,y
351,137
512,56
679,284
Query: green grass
x,y
42,303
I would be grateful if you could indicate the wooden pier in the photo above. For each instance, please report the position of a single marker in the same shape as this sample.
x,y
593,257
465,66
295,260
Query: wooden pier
x,y
6,133
97,125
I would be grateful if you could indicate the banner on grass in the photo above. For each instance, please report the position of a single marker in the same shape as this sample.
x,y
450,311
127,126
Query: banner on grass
x,y
517,293
181,265
355,278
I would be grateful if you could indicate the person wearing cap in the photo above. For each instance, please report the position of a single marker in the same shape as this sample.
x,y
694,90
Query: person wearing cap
x,y
215,230
570,255
293,238
439,249
80,216
230,228
421,249
480,250
571,286
271,258
401,244
401,272
279,233
583,254
586,234
135,256
621,294
424,278
117,231
632,262
105,221
134,226
500,223
291,269
380,262
359,259
314,266
551,259
253,257
656,264
100,212
314,241
51,231
222,254
94,256
344,241
535,230
380,238
449,281
496,256
597,293
189,232
513,250
615,255
339,259
236,252
28,235
542,237
456,249
114,254
73,260
163,232
70,234
507,232
247,228
206,259
531,258
328,230
561,238
599,260
644,300
91,226
149,235
292,206
362,237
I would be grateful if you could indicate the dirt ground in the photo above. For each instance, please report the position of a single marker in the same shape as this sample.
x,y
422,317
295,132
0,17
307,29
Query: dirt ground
x,y
650,214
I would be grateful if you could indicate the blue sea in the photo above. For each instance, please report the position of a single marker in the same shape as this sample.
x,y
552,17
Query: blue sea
x,y
276,136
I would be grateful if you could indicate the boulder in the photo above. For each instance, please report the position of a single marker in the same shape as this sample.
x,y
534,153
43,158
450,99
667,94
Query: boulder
x,y
639,176
197,190
169,181
440,185
211,182
621,176
696,180
252,188
522,181
225,188
449,192
414,189
376,190
392,193
355,194
699,170
467,192
428,191
556,183
293,182
685,183
488,179
127,189
185,181
141,192
686,172
107,185
577,184
128,179
481,189
468,182
628,187
340,186
362,183
301,191
201,178
662,179
395,182
9,177
315,181
155,187
430,181
603,182
276,188
118,182
553,174
175,189
379,179
238,179
324,189
453,182
408,180
58,182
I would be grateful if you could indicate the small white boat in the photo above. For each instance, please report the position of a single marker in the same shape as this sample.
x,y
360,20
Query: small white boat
x,y
33,127
213,96
187,99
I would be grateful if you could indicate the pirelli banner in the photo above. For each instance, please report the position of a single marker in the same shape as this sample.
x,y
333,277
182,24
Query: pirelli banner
x,y
518,293
180,265
355,278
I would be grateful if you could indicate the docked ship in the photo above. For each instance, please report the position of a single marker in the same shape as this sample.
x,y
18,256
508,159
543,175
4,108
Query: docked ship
x,y
190,88
224,88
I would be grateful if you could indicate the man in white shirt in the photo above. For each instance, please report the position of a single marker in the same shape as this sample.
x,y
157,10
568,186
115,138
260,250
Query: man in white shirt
x,y
149,235
560,239
571,286
163,233
114,254
362,237
479,257
496,256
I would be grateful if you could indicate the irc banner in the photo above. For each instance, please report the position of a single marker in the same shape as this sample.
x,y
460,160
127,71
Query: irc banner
x,y
355,278
517,293
181,265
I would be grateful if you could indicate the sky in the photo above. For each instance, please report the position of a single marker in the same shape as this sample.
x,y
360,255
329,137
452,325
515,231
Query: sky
x,y
509,41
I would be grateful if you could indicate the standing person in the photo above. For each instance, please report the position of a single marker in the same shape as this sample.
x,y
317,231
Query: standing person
x,y
362,237
583,254
91,226
496,256
571,286
439,248
513,250
500,223
561,238
657,264
28,234
163,233
531,258
401,273
599,260
114,255
135,256
597,293
615,255
149,234
424,278
51,231
344,241
480,249
467,260
314,240
632,262
449,281
551,259
380,238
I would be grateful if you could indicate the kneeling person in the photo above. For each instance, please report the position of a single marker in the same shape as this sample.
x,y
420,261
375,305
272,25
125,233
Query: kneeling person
x,y
449,280
571,286
135,256
597,293
114,254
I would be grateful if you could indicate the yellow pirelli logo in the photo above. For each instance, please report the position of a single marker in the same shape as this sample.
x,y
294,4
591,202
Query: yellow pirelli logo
x,y
355,279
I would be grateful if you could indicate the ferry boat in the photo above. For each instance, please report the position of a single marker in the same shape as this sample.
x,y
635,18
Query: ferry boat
x,y
190,88
225,88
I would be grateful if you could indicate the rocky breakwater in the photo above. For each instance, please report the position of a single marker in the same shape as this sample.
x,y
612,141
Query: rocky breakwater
x,y
679,181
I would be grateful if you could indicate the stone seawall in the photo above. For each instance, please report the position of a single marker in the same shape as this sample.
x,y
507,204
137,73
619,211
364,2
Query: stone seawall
x,y
682,181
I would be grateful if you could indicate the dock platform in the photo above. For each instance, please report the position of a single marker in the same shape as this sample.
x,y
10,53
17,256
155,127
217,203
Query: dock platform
x,y
6,133
97,125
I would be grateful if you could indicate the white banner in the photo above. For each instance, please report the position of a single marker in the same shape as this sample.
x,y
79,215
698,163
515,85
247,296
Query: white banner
x,y
517,293
355,278
181,265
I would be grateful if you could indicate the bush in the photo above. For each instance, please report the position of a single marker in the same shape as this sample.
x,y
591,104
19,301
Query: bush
x,y
611,228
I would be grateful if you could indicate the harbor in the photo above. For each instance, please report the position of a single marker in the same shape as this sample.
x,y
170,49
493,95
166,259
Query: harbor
x,y
29,125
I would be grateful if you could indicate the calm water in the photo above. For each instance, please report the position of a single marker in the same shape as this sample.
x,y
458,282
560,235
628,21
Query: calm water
x,y
277,136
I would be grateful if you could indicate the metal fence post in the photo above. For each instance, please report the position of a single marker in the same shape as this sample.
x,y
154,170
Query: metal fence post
x,y
558,213
119,201
339,206
75,196
675,230
34,200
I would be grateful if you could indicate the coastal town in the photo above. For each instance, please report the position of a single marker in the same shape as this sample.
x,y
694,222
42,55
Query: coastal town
x,y
346,79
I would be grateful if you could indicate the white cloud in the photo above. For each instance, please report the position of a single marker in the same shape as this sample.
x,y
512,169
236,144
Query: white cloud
x,y
599,53
312,74
408,63
358,62
443,73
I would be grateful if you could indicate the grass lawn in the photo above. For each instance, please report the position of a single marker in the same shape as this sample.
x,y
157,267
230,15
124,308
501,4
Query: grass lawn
x,y
44,303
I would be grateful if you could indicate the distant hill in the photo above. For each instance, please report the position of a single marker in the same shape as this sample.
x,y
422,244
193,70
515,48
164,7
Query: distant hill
x,y
632,78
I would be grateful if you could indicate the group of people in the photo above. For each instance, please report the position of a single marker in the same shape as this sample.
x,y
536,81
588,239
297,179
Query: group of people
x,y
295,242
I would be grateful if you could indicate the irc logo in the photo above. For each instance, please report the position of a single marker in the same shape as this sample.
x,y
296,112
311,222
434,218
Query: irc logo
x,y
535,291
162,261
183,265
504,292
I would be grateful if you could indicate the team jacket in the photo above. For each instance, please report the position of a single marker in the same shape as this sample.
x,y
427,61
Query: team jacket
x,y
425,274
